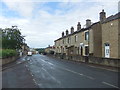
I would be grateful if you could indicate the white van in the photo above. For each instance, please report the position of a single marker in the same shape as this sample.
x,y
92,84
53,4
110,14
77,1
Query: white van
x,y
29,54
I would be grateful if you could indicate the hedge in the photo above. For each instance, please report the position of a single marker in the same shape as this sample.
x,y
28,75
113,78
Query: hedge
x,y
5,53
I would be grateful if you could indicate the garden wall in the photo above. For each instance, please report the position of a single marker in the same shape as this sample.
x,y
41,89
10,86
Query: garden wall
x,y
94,60
8,60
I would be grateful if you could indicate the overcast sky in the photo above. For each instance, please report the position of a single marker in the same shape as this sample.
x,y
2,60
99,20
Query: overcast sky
x,y
42,22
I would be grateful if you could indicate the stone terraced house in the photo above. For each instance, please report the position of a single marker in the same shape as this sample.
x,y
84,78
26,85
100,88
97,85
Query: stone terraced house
x,y
99,39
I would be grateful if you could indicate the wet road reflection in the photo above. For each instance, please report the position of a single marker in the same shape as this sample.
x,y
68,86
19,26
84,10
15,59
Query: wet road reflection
x,y
51,73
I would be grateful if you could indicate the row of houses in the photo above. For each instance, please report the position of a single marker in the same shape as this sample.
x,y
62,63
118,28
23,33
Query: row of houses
x,y
99,39
50,50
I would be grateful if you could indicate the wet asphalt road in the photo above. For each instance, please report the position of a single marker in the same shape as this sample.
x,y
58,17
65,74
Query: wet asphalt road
x,y
47,72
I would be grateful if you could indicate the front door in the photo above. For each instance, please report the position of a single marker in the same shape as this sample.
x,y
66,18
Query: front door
x,y
81,50
86,50
107,50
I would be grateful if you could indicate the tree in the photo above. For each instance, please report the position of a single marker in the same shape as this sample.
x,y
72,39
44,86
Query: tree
x,y
0,38
12,38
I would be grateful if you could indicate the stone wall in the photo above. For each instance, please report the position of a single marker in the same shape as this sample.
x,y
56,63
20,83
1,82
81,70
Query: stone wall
x,y
97,40
119,38
8,60
110,35
94,60
105,61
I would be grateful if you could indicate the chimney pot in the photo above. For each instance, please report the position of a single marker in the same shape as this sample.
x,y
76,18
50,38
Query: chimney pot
x,y
78,26
88,22
72,29
102,16
62,34
67,32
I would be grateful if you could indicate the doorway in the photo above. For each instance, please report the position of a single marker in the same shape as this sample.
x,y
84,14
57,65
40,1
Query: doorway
x,y
81,50
107,50
86,50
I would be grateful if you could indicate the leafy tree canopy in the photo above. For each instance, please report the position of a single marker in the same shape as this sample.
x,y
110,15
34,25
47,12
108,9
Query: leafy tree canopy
x,y
12,38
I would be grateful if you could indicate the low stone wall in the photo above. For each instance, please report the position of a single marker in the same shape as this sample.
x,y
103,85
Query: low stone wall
x,y
88,59
8,60
105,61
76,58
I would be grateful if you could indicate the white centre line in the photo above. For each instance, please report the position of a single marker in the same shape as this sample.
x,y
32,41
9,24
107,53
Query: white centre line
x,y
110,84
31,74
79,73
18,62
35,82
71,71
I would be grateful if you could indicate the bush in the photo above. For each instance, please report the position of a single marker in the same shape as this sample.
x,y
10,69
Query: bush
x,y
5,53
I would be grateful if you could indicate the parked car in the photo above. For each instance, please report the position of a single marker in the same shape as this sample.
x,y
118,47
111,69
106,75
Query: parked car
x,y
29,54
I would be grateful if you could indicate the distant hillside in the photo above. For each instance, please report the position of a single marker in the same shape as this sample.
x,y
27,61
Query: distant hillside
x,y
40,50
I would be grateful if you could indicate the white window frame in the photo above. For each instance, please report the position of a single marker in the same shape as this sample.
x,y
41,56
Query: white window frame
x,y
87,36
76,38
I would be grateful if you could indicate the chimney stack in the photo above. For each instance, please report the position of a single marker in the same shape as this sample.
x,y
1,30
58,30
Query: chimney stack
x,y
67,32
62,34
72,30
102,16
88,23
78,26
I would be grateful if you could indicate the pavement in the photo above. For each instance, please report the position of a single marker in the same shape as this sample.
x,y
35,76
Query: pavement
x,y
40,71
14,63
16,75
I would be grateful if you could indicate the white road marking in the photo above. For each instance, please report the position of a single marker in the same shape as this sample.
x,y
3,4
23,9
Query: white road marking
x,y
31,74
89,77
79,74
50,63
35,82
18,62
70,70
110,84
54,79
46,61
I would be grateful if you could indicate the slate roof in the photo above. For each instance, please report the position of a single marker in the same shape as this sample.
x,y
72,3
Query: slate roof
x,y
81,30
112,17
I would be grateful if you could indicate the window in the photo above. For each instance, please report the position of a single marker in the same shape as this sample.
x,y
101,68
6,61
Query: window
x,y
68,40
86,35
63,41
76,38
55,43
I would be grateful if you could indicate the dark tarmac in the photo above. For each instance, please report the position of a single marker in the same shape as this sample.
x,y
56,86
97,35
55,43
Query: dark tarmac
x,y
40,71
